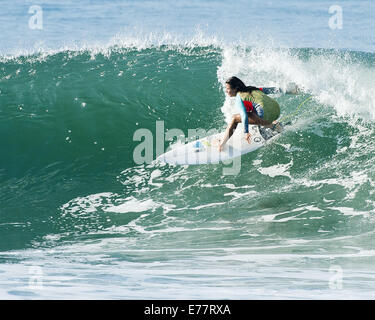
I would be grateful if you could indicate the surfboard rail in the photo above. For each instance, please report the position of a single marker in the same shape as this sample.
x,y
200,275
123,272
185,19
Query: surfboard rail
x,y
206,150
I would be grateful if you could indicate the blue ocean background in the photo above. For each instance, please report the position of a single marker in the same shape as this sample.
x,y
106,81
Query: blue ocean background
x,y
79,219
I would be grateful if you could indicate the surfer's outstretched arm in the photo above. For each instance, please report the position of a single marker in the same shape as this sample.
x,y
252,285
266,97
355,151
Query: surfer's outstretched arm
x,y
237,118
274,90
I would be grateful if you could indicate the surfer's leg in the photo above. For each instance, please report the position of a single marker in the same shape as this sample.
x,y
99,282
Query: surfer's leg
x,y
259,110
255,119
236,119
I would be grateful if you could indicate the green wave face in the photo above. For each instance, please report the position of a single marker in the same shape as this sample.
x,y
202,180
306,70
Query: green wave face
x,y
67,171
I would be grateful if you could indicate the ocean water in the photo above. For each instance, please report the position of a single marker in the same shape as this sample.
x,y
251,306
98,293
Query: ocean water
x,y
80,219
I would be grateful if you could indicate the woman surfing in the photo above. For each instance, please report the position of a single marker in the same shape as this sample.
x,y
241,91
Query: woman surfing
x,y
255,107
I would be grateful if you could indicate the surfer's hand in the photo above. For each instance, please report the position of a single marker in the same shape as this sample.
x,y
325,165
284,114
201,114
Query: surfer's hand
x,y
248,137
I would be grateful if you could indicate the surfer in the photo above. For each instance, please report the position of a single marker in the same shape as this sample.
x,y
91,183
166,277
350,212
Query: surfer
x,y
254,106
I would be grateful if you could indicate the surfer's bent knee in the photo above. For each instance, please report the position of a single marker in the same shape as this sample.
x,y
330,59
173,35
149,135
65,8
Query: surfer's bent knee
x,y
236,119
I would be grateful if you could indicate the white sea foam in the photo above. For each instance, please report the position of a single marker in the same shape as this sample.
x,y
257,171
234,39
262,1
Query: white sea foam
x,y
333,78
277,170
85,205
134,205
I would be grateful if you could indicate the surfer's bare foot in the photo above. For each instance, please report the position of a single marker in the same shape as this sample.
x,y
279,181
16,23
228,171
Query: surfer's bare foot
x,y
277,126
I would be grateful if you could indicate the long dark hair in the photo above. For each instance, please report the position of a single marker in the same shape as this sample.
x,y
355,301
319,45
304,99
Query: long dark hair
x,y
239,86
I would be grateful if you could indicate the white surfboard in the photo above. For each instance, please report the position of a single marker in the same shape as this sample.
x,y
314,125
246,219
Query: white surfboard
x,y
206,150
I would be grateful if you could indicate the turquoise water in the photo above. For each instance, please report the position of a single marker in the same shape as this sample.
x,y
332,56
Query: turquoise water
x,y
80,219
